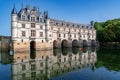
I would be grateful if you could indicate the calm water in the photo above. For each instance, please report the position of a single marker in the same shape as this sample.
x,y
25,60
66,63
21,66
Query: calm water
x,y
61,64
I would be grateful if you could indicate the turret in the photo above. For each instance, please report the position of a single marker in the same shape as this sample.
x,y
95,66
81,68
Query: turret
x,y
14,22
47,26
92,24
45,15
14,14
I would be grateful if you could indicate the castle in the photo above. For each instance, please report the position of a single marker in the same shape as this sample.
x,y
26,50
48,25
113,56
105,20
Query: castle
x,y
30,29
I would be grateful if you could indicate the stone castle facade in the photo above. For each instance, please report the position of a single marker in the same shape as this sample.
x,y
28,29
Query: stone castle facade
x,y
30,29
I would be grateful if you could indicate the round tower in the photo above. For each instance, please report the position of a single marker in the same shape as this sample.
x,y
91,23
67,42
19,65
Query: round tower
x,y
14,23
48,32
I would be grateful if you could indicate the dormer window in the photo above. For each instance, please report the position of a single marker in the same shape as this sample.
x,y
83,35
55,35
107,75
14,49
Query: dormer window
x,y
23,17
32,18
40,19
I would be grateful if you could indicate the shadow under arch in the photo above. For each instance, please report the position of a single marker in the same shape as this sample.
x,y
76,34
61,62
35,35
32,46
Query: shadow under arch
x,y
32,54
56,52
85,43
32,49
32,45
64,51
55,44
93,43
75,43
64,43
85,49
75,50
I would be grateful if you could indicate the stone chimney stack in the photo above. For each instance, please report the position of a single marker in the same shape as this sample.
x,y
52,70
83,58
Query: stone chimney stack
x,y
35,9
28,8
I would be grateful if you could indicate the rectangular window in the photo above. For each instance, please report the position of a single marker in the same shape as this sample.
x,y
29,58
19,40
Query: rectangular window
x,y
83,36
32,25
23,33
23,17
64,35
41,27
32,18
32,32
41,34
23,67
23,75
23,25
70,35
59,35
41,64
75,35
33,67
33,74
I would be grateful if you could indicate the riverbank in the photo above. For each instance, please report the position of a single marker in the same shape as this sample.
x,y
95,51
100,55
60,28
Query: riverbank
x,y
110,44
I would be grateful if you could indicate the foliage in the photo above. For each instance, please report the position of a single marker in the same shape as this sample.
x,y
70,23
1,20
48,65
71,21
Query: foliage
x,y
0,38
108,31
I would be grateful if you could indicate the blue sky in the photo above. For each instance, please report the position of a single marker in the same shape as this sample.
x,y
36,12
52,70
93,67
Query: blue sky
x,y
79,11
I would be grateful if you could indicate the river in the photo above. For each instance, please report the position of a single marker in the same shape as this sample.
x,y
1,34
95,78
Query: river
x,y
61,64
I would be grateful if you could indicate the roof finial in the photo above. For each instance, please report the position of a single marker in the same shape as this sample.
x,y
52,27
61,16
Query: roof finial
x,y
14,10
14,5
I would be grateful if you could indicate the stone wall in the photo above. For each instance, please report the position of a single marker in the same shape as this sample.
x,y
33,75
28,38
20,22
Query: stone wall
x,y
43,46
21,46
25,46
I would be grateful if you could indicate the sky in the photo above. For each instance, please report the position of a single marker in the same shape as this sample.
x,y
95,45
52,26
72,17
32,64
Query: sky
x,y
78,11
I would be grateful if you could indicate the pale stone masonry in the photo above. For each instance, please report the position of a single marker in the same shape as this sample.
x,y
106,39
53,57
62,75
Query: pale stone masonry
x,y
31,28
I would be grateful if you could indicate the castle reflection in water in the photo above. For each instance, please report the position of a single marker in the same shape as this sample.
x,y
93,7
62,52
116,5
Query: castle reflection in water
x,y
43,65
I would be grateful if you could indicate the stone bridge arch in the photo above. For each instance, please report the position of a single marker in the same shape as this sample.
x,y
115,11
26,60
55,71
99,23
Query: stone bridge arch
x,y
65,43
55,44
75,43
32,45
32,49
93,43
85,43
64,51
75,50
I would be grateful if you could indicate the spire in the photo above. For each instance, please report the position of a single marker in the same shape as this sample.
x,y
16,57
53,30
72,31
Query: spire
x,y
14,10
